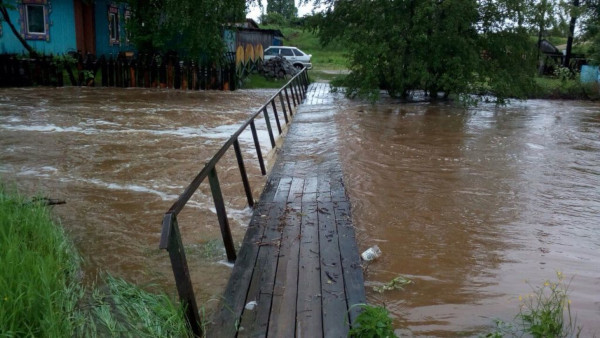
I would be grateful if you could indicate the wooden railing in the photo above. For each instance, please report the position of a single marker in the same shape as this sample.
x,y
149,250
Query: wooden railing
x,y
148,71
292,93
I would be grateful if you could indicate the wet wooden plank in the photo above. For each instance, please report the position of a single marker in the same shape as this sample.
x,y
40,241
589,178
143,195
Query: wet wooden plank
x,y
352,270
254,321
283,189
335,308
324,189
283,311
309,321
232,305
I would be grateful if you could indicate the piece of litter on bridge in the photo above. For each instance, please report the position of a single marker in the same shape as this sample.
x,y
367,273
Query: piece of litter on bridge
x,y
371,253
251,305
226,263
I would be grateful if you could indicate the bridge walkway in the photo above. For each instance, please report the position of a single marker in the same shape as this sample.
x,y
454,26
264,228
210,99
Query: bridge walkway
x,y
298,270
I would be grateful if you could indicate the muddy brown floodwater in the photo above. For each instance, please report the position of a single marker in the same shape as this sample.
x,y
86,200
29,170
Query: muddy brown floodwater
x,y
476,207
120,158
472,205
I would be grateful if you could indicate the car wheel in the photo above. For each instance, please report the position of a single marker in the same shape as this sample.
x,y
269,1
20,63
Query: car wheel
x,y
298,66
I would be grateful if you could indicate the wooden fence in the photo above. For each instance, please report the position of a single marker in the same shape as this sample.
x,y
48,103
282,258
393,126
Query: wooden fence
x,y
149,71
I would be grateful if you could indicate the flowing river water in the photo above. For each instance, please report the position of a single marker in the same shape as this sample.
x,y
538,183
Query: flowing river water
x,y
475,206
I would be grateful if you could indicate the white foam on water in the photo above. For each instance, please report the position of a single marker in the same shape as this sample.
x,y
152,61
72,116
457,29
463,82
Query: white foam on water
x,y
131,187
45,128
45,171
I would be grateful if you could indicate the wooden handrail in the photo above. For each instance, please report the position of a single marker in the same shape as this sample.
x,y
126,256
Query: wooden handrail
x,y
170,236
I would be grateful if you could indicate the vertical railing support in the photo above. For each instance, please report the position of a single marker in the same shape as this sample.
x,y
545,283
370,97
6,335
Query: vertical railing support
x,y
295,91
293,94
305,83
269,129
283,107
300,88
257,146
221,214
276,116
287,98
171,241
240,161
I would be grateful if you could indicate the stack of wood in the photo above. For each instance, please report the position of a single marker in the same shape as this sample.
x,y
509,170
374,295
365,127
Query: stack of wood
x,y
278,67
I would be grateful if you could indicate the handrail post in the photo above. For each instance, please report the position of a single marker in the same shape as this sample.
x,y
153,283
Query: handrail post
x,y
283,107
305,83
300,88
171,241
257,146
240,160
306,80
295,91
221,214
287,98
276,116
292,94
269,126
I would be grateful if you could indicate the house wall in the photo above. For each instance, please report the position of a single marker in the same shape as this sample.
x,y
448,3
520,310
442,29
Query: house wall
x,y
255,37
61,30
103,44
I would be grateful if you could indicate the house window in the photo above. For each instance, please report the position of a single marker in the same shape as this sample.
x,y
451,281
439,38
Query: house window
x,y
127,18
34,19
113,24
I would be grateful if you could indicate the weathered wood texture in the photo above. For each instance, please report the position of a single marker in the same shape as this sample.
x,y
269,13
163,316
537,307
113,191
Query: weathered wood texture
x,y
299,262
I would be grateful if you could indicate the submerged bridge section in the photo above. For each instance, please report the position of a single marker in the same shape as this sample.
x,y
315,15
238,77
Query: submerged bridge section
x,y
298,271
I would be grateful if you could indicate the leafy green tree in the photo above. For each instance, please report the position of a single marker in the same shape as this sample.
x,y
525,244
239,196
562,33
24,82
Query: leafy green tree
x,y
456,47
589,24
190,27
287,8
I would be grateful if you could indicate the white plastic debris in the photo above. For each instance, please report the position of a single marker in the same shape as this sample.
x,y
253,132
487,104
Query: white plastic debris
x,y
251,305
371,253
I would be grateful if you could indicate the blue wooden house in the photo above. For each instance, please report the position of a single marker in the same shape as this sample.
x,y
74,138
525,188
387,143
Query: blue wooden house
x,y
61,26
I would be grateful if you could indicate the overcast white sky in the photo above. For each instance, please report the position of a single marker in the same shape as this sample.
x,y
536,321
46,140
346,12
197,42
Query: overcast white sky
x,y
255,10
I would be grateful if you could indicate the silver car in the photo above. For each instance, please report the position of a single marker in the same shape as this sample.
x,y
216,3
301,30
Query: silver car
x,y
294,55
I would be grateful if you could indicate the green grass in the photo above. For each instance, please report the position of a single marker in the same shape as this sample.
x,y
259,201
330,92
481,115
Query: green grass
x,y
41,294
257,81
546,312
38,288
573,89
373,321
123,309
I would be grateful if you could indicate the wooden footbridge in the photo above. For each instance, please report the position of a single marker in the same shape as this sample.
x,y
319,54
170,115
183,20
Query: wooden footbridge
x,y
297,273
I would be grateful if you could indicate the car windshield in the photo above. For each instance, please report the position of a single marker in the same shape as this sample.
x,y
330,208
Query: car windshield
x,y
298,52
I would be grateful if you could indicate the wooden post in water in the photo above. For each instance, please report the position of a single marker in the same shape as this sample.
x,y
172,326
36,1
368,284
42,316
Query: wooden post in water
x,y
283,107
257,146
222,214
240,161
287,98
171,241
276,116
268,122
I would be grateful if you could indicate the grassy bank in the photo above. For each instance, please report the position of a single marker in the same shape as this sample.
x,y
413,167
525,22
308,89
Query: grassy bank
x,y
40,290
572,89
